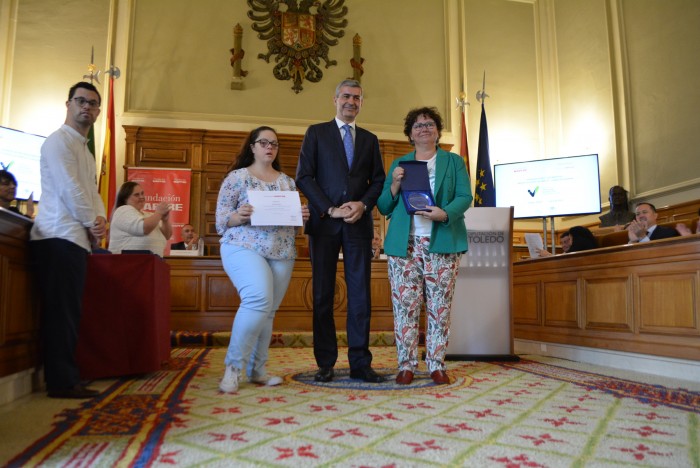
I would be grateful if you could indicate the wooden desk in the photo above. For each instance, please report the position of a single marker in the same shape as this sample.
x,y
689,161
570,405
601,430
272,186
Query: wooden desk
x,y
643,298
203,298
19,317
125,328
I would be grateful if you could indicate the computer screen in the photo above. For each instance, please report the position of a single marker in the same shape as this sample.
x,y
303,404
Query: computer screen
x,y
549,187
19,154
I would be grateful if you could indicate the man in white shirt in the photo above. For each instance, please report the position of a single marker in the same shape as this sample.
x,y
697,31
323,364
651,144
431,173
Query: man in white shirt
x,y
71,217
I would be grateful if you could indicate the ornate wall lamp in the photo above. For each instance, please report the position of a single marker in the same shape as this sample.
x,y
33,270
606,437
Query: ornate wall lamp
x,y
356,61
237,54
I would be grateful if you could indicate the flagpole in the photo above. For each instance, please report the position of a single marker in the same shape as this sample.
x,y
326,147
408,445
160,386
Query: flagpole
x,y
484,191
464,147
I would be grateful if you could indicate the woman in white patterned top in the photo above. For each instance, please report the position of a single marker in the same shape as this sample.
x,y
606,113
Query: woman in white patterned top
x,y
258,259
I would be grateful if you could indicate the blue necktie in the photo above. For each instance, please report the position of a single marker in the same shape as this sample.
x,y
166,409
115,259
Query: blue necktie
x,y
348,144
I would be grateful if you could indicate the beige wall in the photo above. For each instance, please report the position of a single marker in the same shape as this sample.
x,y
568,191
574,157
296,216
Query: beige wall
x,y
564,77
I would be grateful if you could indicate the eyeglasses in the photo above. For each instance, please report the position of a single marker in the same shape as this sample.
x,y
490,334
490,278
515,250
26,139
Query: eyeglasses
x,y
81,101
265,143
424,125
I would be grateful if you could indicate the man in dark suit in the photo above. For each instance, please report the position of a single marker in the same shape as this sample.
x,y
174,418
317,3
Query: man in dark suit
x,y
643,228
341,173
190,239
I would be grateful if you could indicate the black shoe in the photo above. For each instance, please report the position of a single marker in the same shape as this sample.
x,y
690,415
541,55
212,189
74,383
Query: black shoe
x,y
76,392
324,374
367,374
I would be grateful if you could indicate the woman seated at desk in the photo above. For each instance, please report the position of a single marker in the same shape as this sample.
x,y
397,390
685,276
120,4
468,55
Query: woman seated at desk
x,y
132,229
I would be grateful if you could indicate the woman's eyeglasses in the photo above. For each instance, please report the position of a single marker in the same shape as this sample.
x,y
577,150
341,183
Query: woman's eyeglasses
x,y
265,143
424,125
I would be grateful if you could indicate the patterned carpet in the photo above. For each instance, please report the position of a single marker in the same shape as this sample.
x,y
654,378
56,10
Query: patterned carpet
x,y
526,414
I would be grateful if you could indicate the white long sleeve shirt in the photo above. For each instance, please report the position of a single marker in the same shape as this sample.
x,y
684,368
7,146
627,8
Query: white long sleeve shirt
x,y
69,202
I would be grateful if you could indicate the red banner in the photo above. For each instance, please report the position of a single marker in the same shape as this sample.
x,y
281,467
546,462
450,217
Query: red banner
x,y
165,185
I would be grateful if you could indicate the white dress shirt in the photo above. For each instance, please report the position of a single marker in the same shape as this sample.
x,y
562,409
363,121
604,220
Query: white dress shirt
x,y
69,202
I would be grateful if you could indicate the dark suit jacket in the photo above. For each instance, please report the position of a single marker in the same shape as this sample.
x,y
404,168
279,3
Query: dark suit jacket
x,y
324,178
178,246
663,232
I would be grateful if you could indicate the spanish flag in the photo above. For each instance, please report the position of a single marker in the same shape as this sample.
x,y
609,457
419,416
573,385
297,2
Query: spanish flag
x,y
107,184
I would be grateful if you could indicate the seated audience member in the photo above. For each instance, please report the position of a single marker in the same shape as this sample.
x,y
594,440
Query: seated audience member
x,y
564,240
576,239
376,245
644,228
684,230
190,239
8,192
581,239
132,229
619,214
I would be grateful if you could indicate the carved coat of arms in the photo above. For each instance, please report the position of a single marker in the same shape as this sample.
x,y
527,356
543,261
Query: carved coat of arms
x,y
299,34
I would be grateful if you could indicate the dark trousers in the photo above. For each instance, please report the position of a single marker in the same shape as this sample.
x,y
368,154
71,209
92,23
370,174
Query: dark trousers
x,y
357,256
60,268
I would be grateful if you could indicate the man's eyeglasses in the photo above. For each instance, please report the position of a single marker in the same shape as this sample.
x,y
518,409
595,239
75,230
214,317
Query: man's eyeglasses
x,y
81,101
426,125
265,143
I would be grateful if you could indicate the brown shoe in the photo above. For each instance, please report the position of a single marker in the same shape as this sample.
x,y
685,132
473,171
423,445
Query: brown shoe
x,y
405,377
440,377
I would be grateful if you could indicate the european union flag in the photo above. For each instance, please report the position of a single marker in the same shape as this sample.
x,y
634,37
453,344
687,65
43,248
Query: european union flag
x,y
484,193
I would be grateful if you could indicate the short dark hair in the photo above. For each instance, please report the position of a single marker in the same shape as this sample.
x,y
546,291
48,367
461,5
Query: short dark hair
x,y
84,85
653,208
245,155
124,193
6,176
413,115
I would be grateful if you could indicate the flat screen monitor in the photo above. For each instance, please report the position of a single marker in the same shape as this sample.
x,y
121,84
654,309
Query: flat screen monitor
x,y
549,187
19,154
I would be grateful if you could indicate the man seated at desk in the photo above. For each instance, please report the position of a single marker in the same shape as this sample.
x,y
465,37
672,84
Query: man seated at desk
x,y
644,228
190,239
576,239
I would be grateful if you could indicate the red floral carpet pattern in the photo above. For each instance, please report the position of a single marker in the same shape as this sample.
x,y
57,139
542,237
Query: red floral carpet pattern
x,y
507,415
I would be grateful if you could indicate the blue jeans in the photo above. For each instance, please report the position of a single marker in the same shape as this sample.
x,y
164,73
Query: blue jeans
x,y
261,283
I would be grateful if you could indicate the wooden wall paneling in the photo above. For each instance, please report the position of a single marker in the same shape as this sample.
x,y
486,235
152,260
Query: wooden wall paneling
x,y
657,292
213,306
527,309
640,299
19,315
560,303
608,303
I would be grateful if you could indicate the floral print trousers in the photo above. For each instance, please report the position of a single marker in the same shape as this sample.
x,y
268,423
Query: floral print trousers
x,y
422,277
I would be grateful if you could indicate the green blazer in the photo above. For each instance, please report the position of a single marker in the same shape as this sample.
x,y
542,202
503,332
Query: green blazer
x,y
452,193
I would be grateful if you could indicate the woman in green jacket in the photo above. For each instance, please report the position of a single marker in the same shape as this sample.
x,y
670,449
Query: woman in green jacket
x,y
424,248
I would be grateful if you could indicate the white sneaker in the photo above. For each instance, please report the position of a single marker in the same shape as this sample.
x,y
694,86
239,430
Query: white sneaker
x,y
269,380
229,384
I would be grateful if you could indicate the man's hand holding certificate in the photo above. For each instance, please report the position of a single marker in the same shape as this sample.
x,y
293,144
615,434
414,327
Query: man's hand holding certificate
x,y
275,208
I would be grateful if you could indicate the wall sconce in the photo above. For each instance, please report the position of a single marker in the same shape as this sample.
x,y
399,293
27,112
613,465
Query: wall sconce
x,y
237,54
356,61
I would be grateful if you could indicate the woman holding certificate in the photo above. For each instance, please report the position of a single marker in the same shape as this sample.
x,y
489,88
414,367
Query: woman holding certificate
x,y
258,259
425,203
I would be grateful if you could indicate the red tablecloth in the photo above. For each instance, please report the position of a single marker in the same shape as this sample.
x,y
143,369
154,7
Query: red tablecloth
x,y
125,328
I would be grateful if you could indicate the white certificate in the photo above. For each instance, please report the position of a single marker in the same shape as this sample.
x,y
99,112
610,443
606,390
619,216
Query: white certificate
x,y
275,208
